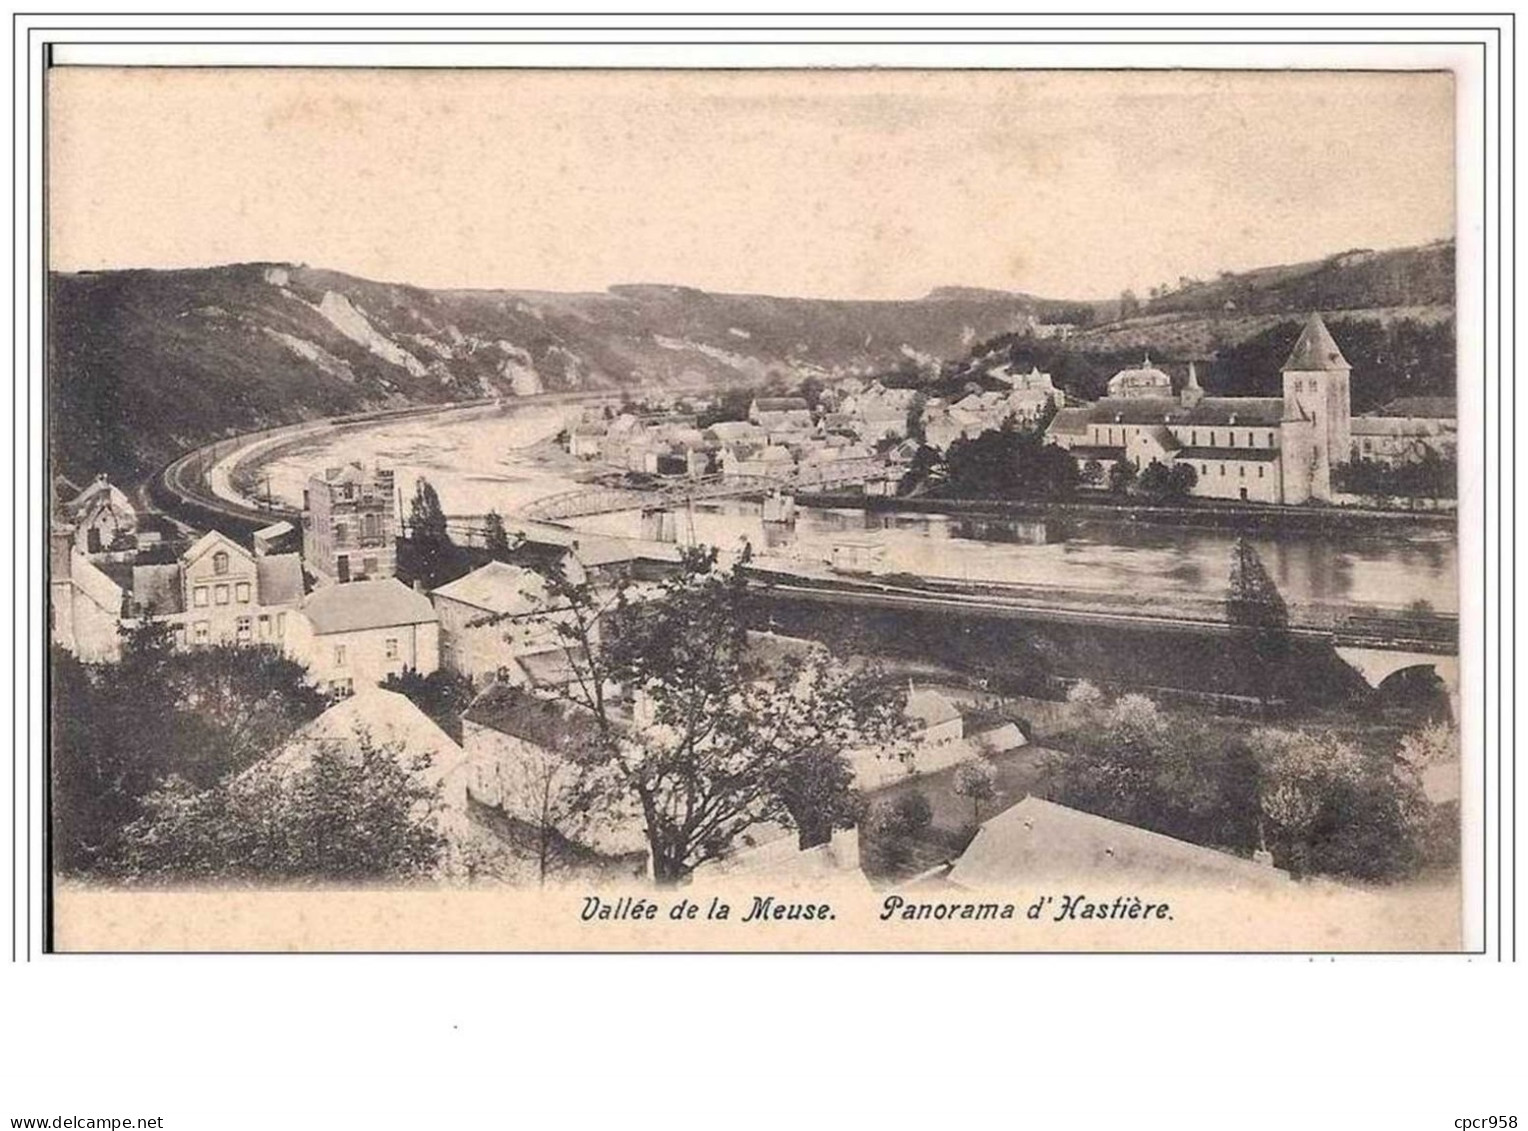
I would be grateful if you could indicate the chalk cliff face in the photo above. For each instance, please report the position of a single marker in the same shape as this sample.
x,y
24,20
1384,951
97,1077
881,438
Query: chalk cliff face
x,y
145,364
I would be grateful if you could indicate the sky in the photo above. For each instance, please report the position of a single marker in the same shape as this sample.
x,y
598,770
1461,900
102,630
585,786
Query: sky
x,y
836,184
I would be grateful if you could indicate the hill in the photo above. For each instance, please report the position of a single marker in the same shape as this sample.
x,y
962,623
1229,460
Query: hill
x,y
146,364
1392,313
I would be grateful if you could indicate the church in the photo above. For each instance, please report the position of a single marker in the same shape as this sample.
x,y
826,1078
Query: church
x,y
1258,449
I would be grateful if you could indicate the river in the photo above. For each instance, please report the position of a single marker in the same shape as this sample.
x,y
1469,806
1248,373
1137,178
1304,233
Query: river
x,y
500,462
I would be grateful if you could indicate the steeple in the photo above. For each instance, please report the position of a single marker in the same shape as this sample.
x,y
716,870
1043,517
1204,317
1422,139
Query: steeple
x,y
1315,349
1192,393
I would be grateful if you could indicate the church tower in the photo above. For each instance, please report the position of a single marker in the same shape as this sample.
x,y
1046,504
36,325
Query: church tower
x,y
1316,389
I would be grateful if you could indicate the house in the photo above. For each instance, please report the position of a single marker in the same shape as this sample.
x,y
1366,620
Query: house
x,y
350,524
527,754
1260,449
1039,840
85,605
1407,430
359,633
584,440
228,595
277,538
103,518
781,414
491,617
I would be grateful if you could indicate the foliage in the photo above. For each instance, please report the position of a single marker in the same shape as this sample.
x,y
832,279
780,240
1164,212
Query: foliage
x,y
431,553
907,815
1121,476
1432,476
1255,608
726,740
1332,810
442,695
1160,483
121,730
1012,462
496,538
1092,474
1321,805
976,781
926,469
331,814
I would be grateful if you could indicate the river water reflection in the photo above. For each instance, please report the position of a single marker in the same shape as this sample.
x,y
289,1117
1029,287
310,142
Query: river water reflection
x,y
1384,569
484,462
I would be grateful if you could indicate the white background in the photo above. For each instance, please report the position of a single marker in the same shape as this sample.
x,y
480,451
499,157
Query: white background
x,y
325,1041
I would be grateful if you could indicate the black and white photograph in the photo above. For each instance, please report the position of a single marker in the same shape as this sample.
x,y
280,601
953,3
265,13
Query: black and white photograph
x,y
775,509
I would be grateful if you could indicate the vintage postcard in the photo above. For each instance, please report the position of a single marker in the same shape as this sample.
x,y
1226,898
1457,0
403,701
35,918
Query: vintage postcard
x,y
830,510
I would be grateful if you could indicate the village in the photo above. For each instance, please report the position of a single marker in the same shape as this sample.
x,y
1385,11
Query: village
x,y
328,597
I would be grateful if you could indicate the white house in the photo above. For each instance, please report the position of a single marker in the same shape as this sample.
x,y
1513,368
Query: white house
x,y
358,634
492,617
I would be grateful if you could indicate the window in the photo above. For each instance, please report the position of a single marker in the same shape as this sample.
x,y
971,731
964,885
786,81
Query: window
x,y
368,565
1241,471
1260,470
199,632
342,686
341,534
1193,438
1231,439
265,626
339,655
1222,470
280,625
220,562
1204,469
199,596
1212,439
241,592
242,630
392,647
1298,386
220,595
369,526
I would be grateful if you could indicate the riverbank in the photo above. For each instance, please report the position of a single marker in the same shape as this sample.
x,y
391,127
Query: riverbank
x,y
1210,515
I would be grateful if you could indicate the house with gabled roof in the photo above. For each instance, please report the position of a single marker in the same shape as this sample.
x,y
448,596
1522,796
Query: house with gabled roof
x,y
493,617
359,633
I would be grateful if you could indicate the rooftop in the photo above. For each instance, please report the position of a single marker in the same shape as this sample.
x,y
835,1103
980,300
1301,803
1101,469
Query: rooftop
x,y
552,725
357,605
1039,839
498,588
1315,349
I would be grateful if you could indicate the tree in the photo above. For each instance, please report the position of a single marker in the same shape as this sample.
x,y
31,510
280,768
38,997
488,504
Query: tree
x,y
726,741
121,730
496,538
1121,476
1334,810
1092,474
431,546
1154,481
1181,480
1129,305
976,780
351,813
915,408
427,521
1256,610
